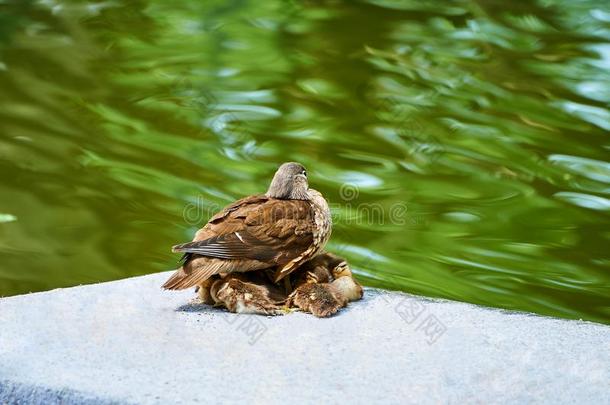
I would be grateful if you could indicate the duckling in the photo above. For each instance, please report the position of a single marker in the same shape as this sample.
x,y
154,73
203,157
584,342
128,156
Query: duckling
x,y
320,286
324,285
248,294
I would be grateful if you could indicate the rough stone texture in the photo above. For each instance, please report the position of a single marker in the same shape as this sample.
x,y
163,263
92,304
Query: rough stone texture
x,y
130,342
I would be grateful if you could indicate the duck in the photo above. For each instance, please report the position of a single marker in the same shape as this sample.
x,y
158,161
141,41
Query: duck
x,y
275,232
324,285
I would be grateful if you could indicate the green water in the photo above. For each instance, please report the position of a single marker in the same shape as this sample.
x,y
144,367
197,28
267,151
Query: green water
x,y
464,146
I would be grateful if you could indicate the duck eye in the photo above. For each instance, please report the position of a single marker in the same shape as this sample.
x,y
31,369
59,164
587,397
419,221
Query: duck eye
x,y
304,173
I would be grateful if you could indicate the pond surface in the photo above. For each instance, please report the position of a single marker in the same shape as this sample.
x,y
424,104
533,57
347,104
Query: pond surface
x,y
464,146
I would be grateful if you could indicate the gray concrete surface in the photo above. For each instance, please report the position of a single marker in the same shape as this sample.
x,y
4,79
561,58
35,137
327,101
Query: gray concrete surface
x,y
130,342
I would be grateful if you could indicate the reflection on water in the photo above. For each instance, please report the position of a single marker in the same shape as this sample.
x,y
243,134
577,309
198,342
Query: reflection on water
x,y
464,146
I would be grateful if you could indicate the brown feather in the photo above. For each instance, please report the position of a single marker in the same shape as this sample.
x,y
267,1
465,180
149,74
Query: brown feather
x,y
254,233
174,280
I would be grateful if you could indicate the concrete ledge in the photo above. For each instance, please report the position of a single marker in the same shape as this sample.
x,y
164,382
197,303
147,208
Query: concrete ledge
x,y
130,342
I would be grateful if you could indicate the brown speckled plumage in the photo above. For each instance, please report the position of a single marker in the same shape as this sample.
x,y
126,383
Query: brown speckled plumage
x,y
279,230
324,285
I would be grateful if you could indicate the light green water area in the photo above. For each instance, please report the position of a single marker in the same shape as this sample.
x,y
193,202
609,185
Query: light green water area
x,y
464,146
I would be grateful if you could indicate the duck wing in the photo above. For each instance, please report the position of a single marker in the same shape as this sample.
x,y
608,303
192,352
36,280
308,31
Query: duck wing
x,y
253,233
